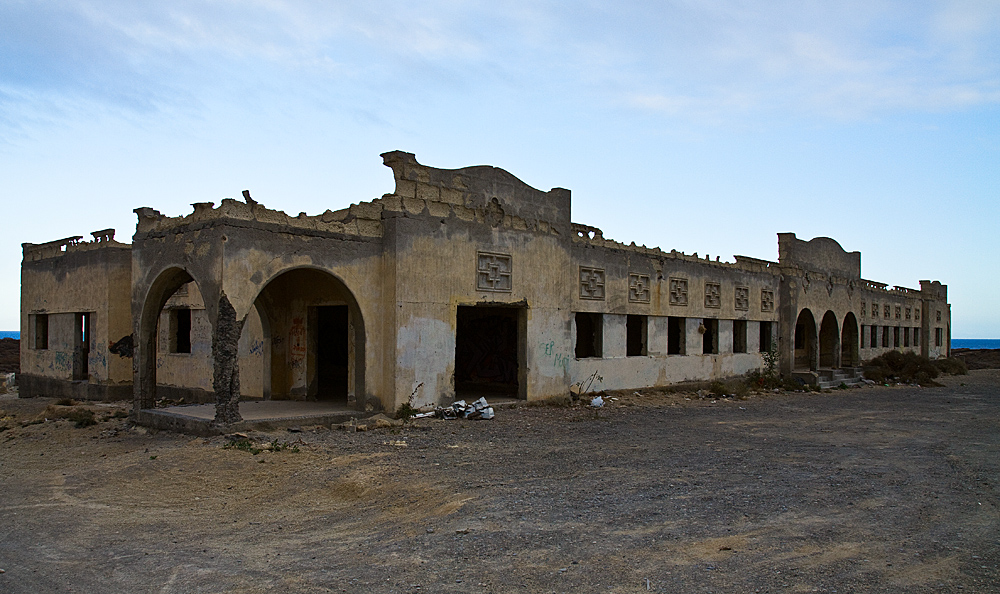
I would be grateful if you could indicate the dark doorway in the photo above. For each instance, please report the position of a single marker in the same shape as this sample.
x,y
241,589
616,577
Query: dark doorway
x,y
849,341
805,341
486,351
331,352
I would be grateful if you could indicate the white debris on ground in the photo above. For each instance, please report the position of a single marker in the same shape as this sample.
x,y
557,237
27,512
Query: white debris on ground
x,y
480,409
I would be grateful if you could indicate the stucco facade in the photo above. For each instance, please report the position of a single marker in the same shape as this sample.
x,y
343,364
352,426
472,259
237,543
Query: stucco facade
x,y
460,283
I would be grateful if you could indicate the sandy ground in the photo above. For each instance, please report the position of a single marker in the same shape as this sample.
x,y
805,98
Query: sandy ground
x,y
864,490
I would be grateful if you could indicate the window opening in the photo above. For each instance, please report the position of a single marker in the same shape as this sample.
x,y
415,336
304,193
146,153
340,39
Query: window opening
x,y
676,336
906,337
739,336
765,337
710,339
81,346
916,337
938,337
895,337
180,330
589,335
885,337
873,337
635,336
41,329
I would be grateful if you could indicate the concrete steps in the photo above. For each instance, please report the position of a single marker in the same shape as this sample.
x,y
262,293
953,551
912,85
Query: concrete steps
x,y
833,378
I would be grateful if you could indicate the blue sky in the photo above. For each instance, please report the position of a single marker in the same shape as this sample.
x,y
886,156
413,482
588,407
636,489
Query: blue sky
x,y
705,126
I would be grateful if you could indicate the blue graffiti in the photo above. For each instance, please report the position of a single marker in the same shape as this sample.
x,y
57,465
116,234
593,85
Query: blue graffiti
x,y
257,348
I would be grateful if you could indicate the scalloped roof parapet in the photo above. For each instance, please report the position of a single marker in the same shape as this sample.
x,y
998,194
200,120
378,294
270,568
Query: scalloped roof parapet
x,y
104,238
743,263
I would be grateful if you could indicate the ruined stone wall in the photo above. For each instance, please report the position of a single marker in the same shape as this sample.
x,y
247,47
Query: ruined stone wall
x,y
60,281
618,281
472,237
936,319
189,369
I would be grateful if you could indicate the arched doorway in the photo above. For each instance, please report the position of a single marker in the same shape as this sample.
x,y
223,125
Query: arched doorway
x,y
315,338
805,341
147,342
849,342
829,342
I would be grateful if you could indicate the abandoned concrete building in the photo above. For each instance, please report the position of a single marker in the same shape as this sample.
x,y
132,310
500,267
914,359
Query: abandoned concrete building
x,y
460,283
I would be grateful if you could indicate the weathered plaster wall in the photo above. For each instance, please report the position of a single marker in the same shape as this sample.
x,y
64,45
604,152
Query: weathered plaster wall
x,y
191,370
75,277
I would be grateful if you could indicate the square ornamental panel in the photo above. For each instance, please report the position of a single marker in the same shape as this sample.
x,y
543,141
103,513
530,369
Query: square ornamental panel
x,y
713,295
592,283
742,299
493,272
638,288
766,300
678,291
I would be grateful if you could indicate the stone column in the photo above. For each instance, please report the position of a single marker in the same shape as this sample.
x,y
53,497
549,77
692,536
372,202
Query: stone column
x,y
226,363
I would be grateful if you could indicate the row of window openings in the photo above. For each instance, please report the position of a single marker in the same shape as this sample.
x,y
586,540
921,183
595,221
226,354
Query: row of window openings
x,y
40,331
590,336
179,320
891,339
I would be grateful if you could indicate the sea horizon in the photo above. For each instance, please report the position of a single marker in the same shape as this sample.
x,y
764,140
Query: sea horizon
x,y
956,343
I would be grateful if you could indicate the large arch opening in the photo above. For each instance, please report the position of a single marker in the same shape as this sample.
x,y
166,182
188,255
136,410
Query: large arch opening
x,y
805,341
849,342
829,341
312,340
172,285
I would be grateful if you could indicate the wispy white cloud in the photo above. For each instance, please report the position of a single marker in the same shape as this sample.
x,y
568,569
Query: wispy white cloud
x,y
710,60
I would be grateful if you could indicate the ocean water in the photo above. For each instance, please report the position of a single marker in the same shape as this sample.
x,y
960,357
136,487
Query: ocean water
x,y
975,343
956,343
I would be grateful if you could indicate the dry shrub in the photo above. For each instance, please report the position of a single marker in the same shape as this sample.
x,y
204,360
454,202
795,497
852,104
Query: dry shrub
x,y
906,368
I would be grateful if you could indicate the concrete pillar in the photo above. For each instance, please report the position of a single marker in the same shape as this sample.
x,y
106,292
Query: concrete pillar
x,y
656,335
725,336
753,337
614,336
694,338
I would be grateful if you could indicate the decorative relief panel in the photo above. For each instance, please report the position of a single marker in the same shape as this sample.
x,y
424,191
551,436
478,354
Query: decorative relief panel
x,y
742,302
638,288
864,309
898,311
766,300
887,311
939,316
678,291
592,283
908,313
916,314
874,310
713,295
493,272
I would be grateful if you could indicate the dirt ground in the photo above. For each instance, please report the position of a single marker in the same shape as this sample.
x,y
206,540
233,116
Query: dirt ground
x,y
865,490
